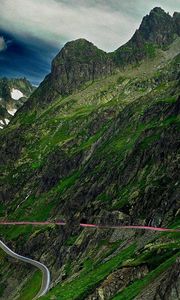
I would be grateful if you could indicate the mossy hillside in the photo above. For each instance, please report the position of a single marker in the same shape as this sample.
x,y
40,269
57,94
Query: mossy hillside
x,y
116,148
32,287
9,269
158,257
37,209
83,51
132,138
148,257
156,252
109,129
83,285
48,139
3,265
54,131
115,142
133,186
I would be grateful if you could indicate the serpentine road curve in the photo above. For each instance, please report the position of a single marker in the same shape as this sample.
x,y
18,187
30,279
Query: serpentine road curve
x,y
45,272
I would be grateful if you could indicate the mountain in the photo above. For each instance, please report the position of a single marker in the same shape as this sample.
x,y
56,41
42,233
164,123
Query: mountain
x,y
77,63
157,30
81,62
13,93
97,143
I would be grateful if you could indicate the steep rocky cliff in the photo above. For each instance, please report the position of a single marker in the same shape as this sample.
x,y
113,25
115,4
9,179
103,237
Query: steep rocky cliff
x,y
157,30
96,143
79,62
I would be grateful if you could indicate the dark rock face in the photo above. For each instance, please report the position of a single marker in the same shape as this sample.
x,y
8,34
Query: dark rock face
x,y
5,92
79,61
12,149
176,18
167,287
62,166
158,29
117,281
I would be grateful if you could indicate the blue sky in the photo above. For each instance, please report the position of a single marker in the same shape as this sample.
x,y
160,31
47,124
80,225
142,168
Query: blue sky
x,y
33,31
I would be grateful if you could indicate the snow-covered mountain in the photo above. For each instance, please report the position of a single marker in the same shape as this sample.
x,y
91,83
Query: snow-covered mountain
x,y
13,93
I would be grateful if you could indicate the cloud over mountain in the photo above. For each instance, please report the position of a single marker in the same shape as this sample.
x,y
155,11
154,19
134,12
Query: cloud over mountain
x,y
42,27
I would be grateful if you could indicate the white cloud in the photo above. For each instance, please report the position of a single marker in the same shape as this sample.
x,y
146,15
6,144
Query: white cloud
x,y
58,22
107,23
3,45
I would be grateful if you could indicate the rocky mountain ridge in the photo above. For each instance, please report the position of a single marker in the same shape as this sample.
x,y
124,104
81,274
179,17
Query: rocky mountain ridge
x,y
80,62
157,30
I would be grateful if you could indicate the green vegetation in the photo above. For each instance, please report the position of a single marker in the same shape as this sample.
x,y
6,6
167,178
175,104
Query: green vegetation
x,y
105,153
83,51
37,209
150,50
71,240
135,288
32,287
81,286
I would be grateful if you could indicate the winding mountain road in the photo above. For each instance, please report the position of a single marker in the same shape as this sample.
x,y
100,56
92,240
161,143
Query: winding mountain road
x,y
45,272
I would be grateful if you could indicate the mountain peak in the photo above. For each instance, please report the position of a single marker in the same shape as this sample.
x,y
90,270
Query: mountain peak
x,y
80,45
157,27
78,61
80,50
157,30
77,42
157,9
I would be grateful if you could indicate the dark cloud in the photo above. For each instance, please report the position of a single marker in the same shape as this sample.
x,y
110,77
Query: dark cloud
x,y
26,57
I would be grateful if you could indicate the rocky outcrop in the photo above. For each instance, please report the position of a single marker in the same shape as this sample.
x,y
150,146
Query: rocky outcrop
x,y
176,18
79,62
62,166
117,281
166,287
158,29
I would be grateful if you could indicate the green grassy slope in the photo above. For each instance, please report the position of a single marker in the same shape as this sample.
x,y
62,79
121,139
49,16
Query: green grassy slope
x,y
105,154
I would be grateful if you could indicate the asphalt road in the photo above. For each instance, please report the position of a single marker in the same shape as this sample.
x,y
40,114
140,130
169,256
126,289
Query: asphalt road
x,y
45,272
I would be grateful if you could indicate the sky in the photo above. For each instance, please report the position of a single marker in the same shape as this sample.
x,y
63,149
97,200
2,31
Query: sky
x,y
32,32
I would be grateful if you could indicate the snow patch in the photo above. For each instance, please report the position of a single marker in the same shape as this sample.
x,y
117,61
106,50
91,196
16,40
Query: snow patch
x,y
16,94
7,121
12,111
